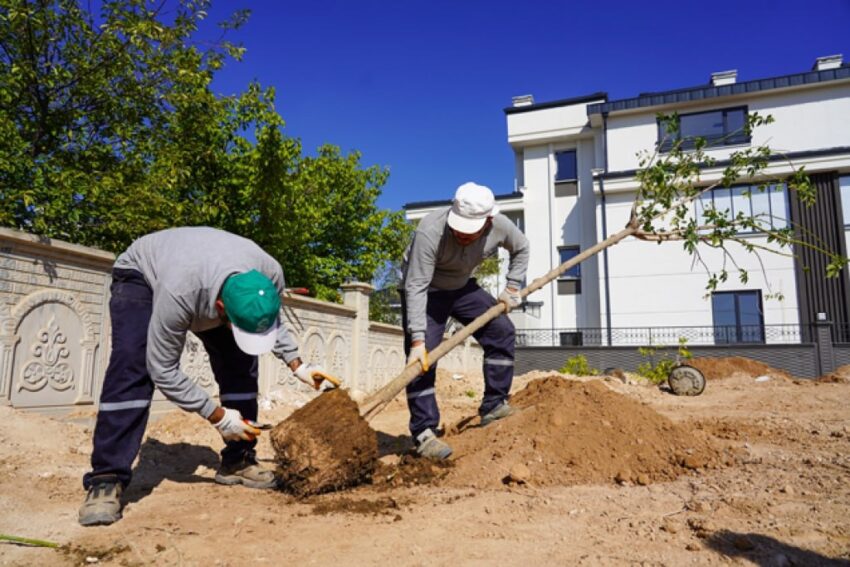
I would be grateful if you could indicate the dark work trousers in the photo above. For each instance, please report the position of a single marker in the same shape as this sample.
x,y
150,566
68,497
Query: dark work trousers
x,y
497,338
127,387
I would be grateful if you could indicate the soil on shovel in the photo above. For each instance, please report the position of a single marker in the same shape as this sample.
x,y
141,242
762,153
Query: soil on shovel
x,y
325,446
570,432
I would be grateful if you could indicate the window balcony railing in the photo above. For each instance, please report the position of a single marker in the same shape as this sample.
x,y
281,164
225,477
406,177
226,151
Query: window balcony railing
x,y
667,336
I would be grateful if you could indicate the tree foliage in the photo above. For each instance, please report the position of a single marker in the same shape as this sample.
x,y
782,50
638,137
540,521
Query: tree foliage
x,y
110,129
672,180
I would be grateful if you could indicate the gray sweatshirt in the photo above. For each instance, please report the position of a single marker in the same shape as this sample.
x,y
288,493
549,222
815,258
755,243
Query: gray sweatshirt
x,y
186,268
434,260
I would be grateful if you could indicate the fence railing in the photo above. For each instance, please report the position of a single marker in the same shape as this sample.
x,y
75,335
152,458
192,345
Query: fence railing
x,y
841,333
671,336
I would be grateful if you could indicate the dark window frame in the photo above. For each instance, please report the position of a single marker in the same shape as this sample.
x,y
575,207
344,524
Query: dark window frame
x,y
571,338
566,186
567,275
739,333
753,189
574,179
845,221
666,140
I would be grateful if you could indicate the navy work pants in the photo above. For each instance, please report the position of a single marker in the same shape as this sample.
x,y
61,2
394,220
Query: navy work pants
x,y
127,387
497,338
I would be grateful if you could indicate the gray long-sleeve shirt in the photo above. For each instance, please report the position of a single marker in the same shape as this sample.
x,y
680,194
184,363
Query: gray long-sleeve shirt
x,y
435,260
186,268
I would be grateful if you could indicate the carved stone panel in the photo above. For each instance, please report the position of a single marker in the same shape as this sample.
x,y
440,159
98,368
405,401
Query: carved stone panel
x,y
339,356
195,363
48,357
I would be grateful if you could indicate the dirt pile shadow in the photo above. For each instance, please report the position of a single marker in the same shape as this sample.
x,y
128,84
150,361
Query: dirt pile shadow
x,y
325,446
767,551
570,432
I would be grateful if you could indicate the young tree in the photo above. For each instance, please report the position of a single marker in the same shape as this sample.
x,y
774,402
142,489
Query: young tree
x,y
110,130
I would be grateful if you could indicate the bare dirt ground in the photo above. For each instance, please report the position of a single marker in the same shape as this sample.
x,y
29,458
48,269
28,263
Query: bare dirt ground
x,y
592,471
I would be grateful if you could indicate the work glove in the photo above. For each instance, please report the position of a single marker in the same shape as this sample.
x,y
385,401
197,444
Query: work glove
x,y
313,375
510,297
420,355
234,428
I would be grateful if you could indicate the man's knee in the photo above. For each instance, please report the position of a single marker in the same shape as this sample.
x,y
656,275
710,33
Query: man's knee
x,y
501,330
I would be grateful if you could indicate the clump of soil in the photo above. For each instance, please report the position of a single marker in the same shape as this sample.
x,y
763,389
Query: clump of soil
x,y
380,506
325,446
410,471
570,432
723,367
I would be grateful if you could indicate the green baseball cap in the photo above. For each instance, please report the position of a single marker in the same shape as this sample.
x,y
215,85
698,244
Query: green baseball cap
x,y
252,304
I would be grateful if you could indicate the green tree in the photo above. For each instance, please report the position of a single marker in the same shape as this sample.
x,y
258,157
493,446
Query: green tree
x,y
386,296
109,129
487,273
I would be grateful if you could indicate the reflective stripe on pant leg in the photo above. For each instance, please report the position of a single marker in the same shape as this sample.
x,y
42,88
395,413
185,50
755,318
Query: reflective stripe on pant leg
x,y
497,339
127,388
237,375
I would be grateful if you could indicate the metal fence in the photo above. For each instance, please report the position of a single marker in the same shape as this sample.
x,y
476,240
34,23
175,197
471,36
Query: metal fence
x,y
841,333
671,336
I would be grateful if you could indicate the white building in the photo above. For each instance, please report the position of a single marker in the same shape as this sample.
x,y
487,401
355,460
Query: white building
x,y
576,161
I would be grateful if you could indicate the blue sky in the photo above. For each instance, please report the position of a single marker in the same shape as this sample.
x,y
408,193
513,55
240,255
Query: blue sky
x,y
420,86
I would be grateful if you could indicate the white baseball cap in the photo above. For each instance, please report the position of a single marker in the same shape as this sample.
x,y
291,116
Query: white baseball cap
x,y
472,206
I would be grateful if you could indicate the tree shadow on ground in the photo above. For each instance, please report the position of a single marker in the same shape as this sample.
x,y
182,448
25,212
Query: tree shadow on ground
x,y
393,444
160,461
769,552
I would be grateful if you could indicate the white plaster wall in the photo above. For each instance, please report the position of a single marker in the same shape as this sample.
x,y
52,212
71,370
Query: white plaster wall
x,y
660,285
540,225
810,119
547,124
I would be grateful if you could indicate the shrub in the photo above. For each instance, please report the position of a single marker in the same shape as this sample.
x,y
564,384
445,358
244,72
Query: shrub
x,y
578,366
658,371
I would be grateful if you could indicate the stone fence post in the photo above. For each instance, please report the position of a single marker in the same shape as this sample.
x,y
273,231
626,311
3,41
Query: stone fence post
x,y
356,295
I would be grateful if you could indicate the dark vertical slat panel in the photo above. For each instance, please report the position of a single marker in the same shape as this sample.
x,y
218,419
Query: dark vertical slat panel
x,y
821,225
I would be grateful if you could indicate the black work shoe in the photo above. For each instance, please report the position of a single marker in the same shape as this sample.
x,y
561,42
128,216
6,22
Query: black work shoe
x,y
501,411
246,473
103,503
428,445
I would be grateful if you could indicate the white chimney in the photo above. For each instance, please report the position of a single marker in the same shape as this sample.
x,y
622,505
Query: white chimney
x,y
828,62
523,100
724,77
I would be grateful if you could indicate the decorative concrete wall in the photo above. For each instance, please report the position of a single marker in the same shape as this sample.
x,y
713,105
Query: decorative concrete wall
x,y
55,332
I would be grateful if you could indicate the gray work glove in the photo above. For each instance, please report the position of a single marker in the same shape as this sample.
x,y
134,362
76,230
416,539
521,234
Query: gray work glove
x,y
511,298
420,355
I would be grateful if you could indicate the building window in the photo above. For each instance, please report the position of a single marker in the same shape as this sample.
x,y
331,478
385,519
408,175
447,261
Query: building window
x,y
769,205
718,127
569,283
566,174
844,184
738,317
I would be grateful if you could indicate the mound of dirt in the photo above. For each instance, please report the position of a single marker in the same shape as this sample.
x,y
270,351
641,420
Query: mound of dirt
x,y
723,367
575,432
840,375
325,446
